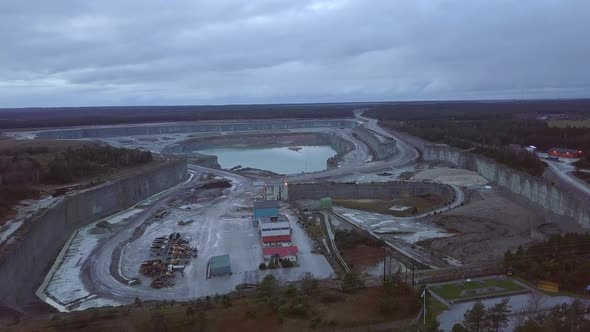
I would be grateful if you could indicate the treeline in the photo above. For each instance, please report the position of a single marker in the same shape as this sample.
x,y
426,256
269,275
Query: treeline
x,y
88,161
497,133
31,150
521,160
491,126
477,110
77,116
560,318
35,165
22,169
492,138
561,259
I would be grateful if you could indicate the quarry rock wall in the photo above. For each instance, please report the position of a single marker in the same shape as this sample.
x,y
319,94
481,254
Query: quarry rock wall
x,y
381,190
27,258
382,147
205,127
536,190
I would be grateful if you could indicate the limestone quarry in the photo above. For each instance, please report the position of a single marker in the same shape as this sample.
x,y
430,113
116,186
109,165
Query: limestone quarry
x,y
191,228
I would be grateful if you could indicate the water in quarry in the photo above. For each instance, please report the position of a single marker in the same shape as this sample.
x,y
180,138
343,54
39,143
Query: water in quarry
x,y
278,160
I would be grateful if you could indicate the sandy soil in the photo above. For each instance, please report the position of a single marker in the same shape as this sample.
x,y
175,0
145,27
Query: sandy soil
x,y
491,222
460,177
415,204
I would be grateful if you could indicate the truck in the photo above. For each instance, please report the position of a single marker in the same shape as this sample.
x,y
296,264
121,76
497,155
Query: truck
x,y
185,221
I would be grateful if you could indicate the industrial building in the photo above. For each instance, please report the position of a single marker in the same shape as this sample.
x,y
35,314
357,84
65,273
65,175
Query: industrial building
x,y
564,153
274,230
276,191
266,209
289,253
218,266
275,234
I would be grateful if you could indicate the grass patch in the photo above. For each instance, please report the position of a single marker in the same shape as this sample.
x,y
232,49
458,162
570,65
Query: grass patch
x,y
435,307
569,123
416,204
478,287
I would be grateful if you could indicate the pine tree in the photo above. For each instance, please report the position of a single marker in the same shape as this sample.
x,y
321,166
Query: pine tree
x,y
497,316
475,318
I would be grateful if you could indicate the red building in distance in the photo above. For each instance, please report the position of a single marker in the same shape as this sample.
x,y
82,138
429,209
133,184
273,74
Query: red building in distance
x,y
564,153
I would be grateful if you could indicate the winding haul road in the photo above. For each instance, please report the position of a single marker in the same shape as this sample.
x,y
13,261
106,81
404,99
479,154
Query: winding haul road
x,y
563,171
97,274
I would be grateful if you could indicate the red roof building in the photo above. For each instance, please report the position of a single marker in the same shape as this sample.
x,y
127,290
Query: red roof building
x,y
564,153
289,252
276,238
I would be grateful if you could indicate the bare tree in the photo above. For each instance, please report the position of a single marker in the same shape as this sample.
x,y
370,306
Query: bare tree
x,y
531,310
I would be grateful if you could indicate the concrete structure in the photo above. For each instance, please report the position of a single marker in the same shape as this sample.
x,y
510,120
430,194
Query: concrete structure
x,y
564,153
219,266
382,190
266,209
25,260
278,190
535,189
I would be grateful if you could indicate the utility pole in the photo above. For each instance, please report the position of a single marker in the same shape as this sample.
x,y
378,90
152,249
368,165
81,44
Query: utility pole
x,y
413,280
384,256
424,302
406,268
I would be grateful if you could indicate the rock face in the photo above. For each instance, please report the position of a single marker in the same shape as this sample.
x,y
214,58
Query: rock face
x,y
115,131
382,147
536,190
24,261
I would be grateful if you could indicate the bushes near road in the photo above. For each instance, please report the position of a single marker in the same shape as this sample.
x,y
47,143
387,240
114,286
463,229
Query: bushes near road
x,y
563,259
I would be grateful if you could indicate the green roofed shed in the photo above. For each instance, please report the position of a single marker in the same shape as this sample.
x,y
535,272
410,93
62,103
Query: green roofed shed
x,y
326,203
219,266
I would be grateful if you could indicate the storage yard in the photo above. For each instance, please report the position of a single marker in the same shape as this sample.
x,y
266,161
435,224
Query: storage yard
x,y
177,255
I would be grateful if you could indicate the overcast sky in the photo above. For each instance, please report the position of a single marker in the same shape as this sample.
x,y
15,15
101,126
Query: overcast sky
x,y
118,52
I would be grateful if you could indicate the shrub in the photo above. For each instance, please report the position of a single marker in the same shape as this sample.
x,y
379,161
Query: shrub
x,y
190,311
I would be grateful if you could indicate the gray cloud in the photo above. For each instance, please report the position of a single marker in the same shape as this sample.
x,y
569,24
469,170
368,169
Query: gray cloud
x,y
57,53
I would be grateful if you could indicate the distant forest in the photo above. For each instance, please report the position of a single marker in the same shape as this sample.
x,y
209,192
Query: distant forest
x,y
37,165
79,116
489,128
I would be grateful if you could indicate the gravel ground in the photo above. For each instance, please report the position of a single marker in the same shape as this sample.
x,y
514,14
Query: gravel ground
x,y
456,176
491,222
